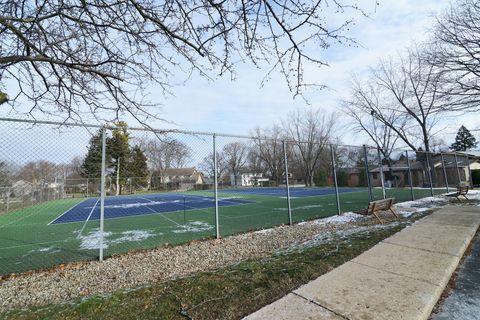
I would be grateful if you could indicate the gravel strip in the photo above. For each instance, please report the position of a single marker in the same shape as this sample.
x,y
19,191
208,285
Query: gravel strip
x,y
140,268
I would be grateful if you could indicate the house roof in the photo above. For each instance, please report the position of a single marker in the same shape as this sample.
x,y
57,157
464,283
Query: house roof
x,y
180,171
473,153
418,165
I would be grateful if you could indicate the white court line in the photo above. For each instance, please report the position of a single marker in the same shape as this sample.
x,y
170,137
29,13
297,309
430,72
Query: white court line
x,y
67,211
88,218
159,213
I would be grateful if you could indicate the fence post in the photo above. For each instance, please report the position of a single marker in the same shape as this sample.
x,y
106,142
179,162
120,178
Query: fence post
x,y
367,171
334,167
458,170
382,179
469,172
215,186
289,207
445,178
429,170
87,187
410,177
102,195
8,199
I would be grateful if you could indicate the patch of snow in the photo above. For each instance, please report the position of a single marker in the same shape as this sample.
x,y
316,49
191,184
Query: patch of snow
x,y
227,198
329,236
194,226
139,204
133,235
92,240
344,218
474,194
264,231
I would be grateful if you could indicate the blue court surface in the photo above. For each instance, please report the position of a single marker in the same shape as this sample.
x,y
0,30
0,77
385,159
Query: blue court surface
x,y
126,206
297,192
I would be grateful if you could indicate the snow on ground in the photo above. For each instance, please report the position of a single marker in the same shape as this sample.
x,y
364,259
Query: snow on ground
x,y
132,235
139,204
194,226
92,240
344,218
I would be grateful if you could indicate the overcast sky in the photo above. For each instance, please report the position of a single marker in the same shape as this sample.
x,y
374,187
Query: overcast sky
x,y
236,107
240,105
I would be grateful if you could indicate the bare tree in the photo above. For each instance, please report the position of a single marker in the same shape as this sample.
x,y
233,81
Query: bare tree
x,y
362,105
268,146
235,155
38,172
207,166
311,132
165,153
71,57
456,52
412,91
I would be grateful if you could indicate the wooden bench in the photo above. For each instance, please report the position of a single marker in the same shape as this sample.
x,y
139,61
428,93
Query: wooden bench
x,y
461,191
380,205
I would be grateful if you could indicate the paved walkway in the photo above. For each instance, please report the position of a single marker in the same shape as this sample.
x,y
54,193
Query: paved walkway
x,y
402,277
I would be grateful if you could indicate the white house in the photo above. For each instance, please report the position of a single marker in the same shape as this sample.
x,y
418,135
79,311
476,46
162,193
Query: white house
x,y
248,179
185,177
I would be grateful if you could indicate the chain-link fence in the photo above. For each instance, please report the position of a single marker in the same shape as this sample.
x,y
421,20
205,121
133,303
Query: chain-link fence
x,y
76,192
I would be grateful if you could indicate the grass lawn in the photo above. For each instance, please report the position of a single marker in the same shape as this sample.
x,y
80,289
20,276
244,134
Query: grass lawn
x,y
28,242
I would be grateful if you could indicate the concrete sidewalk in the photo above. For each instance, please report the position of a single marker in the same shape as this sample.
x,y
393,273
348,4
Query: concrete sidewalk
x,y
402,277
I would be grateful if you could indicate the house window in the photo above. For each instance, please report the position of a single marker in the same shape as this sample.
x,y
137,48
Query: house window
x,y
374,175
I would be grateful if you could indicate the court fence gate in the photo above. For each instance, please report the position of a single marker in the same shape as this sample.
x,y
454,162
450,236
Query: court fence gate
x,y
74,192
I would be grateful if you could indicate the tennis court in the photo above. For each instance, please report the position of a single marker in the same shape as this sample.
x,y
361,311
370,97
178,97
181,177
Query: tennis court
x,y
296,192
54,232
127,206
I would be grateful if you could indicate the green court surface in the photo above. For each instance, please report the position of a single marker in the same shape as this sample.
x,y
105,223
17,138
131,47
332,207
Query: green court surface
x,y
29,242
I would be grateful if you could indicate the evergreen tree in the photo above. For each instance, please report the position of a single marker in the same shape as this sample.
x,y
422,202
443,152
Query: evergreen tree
x,y
92,163
137,167
119,152
321,178
464,140
342,178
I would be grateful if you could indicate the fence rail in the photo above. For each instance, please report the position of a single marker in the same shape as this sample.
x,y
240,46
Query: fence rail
x,y
71,192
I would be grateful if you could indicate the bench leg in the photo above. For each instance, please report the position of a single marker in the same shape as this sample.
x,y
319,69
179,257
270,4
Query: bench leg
x,y
378,218
465,197
394,213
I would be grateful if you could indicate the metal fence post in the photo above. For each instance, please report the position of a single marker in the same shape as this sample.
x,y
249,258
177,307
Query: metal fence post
x,y
469,172
458,170
87,187
334,167
367,171
382,179
215,186
410,177
444,172
289,207
102,195
429,170
8,199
